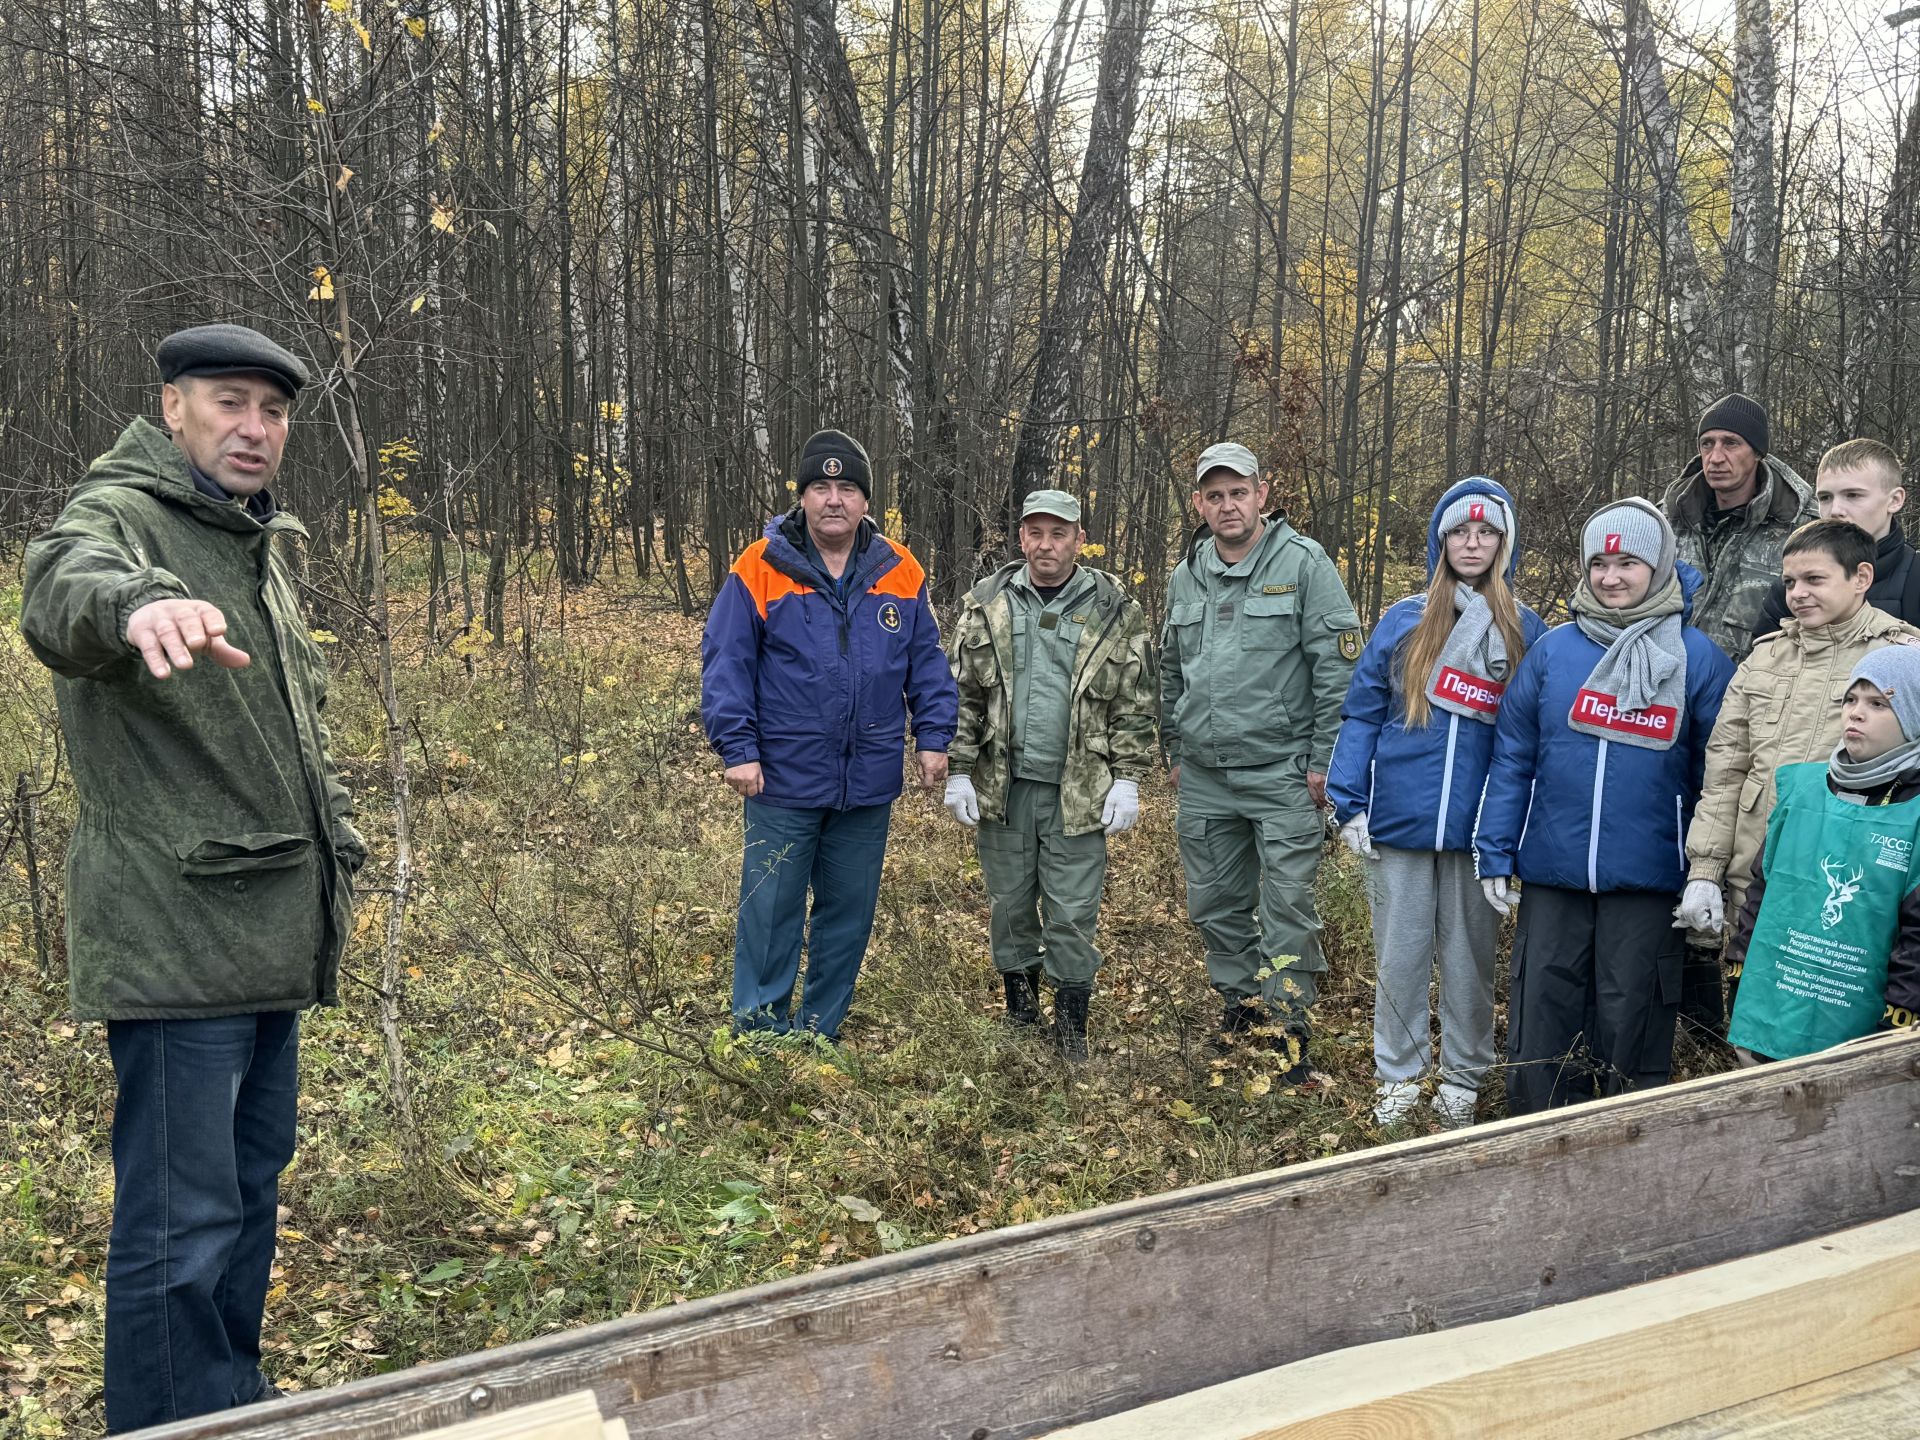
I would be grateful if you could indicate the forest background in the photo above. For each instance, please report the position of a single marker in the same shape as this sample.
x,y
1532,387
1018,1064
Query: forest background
x,y
579,275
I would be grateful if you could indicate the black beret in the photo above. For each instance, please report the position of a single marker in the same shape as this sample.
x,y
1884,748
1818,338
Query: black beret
x,y
229,350
835,455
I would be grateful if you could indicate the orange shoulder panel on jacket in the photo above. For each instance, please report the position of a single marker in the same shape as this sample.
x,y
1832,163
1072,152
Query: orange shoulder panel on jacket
x,y
905,579
764,583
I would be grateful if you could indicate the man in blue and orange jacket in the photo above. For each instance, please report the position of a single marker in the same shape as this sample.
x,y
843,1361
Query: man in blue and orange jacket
x,y
819,643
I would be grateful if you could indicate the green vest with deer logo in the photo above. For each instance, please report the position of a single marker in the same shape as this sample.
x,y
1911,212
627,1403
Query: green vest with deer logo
x,y
1836,872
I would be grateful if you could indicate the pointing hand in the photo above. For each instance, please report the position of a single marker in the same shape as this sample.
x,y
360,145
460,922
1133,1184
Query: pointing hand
x,y
169,633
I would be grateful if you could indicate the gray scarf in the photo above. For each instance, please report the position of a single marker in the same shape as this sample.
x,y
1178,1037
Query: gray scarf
x,y
1637,693
1850,774
1472,670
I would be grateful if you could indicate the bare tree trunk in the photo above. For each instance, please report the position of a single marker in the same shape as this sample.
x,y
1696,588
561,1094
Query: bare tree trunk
x,y
344,239
1457,368
26,804
1753,228
1396,250
868,209
1702,372
1344,462
1060,362
1881,356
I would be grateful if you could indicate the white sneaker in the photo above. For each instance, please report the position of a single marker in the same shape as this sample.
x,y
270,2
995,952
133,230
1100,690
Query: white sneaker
x,y
1396,1101
1454,1105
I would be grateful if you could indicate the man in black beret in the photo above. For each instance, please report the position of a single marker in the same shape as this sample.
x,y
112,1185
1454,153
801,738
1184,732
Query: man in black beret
x,y
210,873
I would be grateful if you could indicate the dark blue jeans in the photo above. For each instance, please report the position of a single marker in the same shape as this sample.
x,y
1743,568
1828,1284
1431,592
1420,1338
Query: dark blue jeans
x,y
202,1129
836,854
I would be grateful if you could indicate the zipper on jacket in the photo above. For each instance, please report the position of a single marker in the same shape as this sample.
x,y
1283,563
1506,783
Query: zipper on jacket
x,y
1680,836
1593,820
1446,784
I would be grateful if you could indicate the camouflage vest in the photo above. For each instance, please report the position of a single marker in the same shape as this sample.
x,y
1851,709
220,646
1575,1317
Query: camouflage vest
x,y
1110,698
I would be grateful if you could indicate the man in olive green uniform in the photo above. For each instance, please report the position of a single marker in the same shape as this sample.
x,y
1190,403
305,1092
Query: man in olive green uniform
x,y
1260,642
1055,735
209,878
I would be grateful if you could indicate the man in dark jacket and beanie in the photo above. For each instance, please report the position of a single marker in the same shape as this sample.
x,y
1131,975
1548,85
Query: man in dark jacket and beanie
x,y
1732,509
819,643
1860,480
209,881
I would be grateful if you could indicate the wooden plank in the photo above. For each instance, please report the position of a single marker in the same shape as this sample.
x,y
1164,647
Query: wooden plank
x,y
1010,1334
1874,1400
1609,1367
566,1417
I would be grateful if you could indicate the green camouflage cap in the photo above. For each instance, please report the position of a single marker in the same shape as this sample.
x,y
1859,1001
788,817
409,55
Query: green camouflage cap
x,y
1057,503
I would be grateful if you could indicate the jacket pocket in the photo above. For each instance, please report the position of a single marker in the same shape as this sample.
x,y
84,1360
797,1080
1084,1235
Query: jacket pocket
x,y
1751,789
1103,683
256,915
1265,607
240,854
1185,626
977,662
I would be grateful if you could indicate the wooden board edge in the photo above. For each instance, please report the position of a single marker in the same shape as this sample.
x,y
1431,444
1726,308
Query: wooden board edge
x,y
1691,1344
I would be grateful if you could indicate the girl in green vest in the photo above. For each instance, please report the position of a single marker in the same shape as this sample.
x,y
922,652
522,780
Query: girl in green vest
x,y
1827,946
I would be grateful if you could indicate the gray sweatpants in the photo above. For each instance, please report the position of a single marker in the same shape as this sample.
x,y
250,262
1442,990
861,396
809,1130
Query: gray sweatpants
x,y
1428,910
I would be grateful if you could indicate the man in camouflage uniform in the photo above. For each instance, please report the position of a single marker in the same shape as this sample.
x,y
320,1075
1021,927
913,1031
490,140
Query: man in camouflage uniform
x,y
1259,645
1055,736
1732,510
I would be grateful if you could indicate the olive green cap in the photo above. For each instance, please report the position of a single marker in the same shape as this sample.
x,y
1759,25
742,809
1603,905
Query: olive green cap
x,y
1057,503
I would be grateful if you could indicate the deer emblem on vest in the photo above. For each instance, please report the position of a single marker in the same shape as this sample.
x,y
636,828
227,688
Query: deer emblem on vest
x,y
1839,892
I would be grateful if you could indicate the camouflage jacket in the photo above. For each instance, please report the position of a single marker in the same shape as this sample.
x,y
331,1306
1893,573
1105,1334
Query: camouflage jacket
x,y
210,871
1110,733
1740,560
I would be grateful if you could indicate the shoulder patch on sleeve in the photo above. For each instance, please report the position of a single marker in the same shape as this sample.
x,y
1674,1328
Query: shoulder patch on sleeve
x,y
1350,644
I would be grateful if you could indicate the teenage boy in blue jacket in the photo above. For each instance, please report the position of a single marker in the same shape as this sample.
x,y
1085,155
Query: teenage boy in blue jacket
x,y
1598,757
819,645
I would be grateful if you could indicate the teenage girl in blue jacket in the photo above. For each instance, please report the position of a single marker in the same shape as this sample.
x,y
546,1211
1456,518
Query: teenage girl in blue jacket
x,y
1597,762
1416,735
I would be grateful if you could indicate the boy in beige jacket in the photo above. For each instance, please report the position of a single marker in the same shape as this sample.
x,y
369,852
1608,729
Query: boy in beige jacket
x,y
1782,707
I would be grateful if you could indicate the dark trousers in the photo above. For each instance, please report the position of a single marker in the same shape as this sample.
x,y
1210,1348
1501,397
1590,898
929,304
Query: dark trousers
x,y
837,855
203,1126
1594,997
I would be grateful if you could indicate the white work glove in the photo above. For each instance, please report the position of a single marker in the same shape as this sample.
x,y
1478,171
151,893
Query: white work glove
x,y
1701,908
1354,835
1122,810
960,800
1499,893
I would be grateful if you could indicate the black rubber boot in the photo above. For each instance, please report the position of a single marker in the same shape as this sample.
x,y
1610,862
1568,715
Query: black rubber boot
x,y
1023,997
1289,1042
1070,1019
1237,1020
